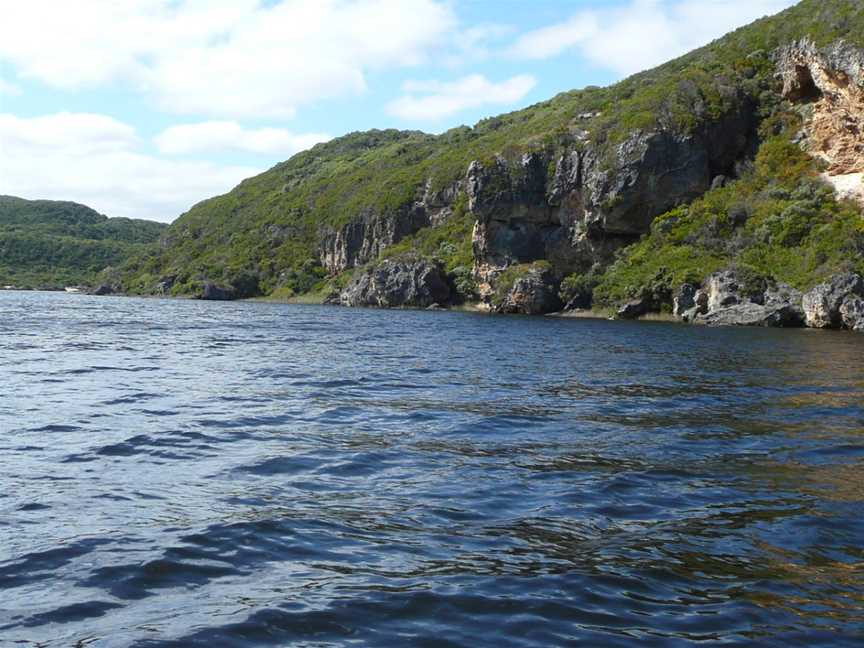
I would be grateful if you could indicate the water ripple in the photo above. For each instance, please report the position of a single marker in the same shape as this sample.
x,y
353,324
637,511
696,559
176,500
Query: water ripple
x,y
181,473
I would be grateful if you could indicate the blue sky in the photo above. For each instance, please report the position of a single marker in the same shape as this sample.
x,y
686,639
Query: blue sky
x,y
142,108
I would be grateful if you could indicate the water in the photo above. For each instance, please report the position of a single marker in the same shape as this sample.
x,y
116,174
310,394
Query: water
x,y
208,474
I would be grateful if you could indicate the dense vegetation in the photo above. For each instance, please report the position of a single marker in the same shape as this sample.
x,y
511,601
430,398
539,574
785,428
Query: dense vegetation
x,y
264,233
51,244
778,221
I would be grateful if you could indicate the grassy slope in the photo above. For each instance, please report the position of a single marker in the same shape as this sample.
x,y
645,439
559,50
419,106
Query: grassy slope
x,y
779,221
46,243
268,225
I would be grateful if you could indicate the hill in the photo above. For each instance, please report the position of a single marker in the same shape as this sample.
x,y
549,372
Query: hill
x,y
719,158
51,244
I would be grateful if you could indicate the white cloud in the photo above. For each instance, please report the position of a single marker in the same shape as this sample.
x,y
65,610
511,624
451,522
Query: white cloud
x,y
8,88
553,40
95,160
224,58
475,44
214,136
643,33
429,100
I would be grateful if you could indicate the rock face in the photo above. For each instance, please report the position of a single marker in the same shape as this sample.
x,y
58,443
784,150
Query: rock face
x,y
103,289
826,305
726,300
852,312
394,283
363,239
577,209
165,284
534,293
684,300
635,308
212,292
574,208
830,81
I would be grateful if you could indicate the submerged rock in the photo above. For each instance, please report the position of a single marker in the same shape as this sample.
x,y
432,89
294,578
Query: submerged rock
x,y
398,282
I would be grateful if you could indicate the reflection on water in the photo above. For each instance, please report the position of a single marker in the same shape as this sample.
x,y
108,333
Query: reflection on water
x,y
180,473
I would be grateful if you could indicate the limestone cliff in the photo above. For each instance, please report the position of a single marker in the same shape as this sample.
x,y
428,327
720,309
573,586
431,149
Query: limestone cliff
x,y
567,190
577,209
573,207
829,83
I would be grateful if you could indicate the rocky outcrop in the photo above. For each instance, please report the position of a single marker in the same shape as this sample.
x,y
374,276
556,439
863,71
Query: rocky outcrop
x,y
103,289
165,284
852,313
780,313
635,308
829,82
395,283
533,293
826,305
363,239
684,300
726,299
577,209
212,292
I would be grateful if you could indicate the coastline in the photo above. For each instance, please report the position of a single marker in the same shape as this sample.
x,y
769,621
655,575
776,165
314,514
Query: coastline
x,y
468,307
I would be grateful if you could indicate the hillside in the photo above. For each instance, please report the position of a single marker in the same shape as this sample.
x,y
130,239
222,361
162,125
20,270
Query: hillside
x,y
598,195
51,244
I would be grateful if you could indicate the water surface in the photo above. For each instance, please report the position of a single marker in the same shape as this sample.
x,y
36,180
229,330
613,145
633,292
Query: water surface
x,y
179,473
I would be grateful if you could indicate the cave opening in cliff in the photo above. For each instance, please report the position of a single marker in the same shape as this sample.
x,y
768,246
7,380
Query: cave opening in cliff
x,y
807,91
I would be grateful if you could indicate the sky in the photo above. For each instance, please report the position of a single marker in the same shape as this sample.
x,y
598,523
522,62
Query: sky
x,y
142,108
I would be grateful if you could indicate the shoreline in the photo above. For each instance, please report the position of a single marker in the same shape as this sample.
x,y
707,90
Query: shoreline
x,y
468,307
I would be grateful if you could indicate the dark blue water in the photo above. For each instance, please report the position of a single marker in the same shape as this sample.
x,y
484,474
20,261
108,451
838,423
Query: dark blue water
x,y
206,474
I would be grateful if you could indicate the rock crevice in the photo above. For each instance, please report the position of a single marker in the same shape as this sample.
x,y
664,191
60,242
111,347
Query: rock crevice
x,y
829,82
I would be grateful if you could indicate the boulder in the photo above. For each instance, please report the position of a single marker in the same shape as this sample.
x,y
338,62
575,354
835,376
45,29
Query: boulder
x,y
746,314
785,303
719,182
102,289
534,293
725,300
777,314
393,283
822,304
333,298
723,289
212,292
635,308
165,284
684,300
852,313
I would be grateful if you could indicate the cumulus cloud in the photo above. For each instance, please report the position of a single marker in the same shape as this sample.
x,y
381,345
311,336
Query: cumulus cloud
x,y
214,136
642,33
96,160
223,58
430,100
